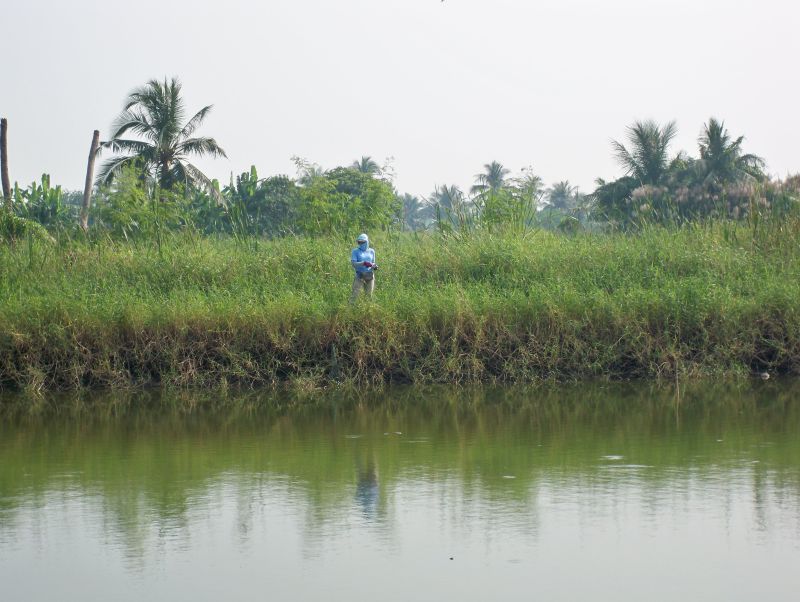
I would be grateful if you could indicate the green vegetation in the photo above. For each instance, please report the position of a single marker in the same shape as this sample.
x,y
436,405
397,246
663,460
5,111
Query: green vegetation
x,y
682,266
716,299
155,112
149,187
724,183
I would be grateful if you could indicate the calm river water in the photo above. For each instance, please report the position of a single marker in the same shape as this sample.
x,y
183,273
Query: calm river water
x,y
577,493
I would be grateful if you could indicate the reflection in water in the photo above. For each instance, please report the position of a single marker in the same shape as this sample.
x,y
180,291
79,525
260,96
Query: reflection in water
x,y
367,492
517,486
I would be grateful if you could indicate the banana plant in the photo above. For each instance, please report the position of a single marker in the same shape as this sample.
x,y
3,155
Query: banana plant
x,y
43,203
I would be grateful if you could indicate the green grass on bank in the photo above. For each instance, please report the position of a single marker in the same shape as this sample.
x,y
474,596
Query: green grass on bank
x,y
712,300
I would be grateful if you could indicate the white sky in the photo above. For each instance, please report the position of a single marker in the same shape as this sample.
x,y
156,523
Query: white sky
x,y
444,87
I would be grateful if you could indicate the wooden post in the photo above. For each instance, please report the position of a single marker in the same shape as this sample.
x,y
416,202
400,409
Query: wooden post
x,y
4,163
87,189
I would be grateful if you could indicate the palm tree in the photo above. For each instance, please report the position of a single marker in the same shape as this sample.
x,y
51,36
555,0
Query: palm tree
x,y
647,159
366,165
309,174
155,112
448,198
415,212
528,184
449,206
307,171
491,180
609,198
721,157
562,196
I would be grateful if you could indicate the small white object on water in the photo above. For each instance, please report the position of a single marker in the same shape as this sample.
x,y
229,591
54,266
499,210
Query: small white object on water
x,y
509,476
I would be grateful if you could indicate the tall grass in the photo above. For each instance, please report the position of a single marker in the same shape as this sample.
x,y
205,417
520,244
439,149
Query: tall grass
x,y
718,299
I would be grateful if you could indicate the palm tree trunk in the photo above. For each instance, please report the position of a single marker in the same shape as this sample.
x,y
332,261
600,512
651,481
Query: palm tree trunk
x,y
4,163
87,189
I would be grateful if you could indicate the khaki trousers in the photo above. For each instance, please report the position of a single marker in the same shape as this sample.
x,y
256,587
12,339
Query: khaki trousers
x,y
368,286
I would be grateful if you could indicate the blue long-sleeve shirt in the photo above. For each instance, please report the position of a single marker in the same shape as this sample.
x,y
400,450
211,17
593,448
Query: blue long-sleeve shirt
x,y
357,256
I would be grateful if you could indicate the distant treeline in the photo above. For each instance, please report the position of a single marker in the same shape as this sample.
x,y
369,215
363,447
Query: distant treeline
x,y
148,186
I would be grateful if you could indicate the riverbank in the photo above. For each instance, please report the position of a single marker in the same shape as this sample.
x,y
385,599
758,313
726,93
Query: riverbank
x,y
718,300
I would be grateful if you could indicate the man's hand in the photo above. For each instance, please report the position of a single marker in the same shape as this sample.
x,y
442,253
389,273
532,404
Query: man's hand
x,y
368,264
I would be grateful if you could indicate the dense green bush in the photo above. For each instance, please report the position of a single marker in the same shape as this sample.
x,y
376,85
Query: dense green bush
x,y
130,209
14,228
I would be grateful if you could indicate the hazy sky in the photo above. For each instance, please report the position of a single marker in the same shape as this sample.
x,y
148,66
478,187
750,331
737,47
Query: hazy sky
x,y
444,87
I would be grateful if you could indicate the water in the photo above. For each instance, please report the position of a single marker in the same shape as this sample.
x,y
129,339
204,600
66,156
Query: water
x,y
600,492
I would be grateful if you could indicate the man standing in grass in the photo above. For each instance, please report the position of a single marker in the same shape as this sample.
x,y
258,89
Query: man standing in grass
x,y
363,260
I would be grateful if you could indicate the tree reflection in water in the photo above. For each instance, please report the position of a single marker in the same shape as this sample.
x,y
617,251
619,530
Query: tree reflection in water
x,y
153,466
